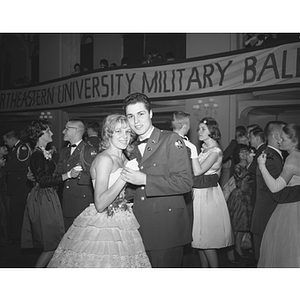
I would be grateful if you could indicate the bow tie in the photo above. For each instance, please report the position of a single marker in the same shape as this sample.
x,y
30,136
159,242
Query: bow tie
x,y
73,145
138,142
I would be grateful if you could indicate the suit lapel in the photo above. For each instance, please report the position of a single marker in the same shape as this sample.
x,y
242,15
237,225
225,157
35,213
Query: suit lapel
x,y
152,145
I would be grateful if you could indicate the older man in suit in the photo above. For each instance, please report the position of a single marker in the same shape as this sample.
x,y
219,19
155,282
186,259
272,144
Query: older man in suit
x,y
164,177
264,205
77,192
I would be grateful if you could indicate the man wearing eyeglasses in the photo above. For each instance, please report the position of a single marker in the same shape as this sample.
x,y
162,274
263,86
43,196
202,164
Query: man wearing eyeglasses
x,y
76,159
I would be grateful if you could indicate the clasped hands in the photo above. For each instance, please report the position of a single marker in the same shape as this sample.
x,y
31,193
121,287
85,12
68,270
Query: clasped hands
x,y
133,176
74,172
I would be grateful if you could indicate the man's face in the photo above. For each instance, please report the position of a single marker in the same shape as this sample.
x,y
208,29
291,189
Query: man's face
x,y
3,150
70,132
139,118
8,142
253,140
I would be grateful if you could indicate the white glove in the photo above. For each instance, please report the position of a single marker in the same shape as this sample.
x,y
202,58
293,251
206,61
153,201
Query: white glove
x,y
194,153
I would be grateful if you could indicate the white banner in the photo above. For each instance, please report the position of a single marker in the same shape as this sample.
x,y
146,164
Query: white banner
x,y
270,67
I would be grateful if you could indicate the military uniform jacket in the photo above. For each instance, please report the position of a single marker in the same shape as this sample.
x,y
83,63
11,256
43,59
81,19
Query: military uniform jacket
x,y
77,192
16,168
265,205
159,206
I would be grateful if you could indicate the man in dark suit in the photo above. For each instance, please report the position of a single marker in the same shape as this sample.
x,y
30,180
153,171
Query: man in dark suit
x,y
264,205
77,192
164,176
18,186
257,141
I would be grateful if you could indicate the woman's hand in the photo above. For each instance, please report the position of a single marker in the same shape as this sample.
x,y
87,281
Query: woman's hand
x,y
134,177
261,160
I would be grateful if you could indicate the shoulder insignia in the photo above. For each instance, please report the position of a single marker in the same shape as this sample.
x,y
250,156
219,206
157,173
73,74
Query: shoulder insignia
x,y
179,144
23,152
89,143
94,153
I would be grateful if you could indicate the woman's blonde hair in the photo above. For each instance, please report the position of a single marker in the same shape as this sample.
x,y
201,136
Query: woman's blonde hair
x,y
108,128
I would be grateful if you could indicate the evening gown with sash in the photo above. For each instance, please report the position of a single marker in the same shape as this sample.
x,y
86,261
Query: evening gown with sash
x,y
280,246
109,239
211,226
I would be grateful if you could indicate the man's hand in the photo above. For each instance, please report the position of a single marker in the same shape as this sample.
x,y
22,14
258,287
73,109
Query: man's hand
x,y
134,177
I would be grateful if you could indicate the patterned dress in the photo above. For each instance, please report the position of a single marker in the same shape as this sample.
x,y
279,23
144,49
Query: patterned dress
x,y
211,226
239,201
109,239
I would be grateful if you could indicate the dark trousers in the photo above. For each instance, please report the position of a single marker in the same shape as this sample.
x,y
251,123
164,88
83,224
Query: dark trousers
x,y
68,221
256,245
166,258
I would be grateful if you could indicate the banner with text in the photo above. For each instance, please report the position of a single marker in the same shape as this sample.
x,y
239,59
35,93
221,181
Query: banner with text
x,y
266,67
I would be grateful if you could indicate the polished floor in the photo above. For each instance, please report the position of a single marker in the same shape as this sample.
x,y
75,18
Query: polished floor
x,y
11,256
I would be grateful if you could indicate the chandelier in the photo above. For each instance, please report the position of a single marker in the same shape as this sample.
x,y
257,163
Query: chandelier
x,y
206,108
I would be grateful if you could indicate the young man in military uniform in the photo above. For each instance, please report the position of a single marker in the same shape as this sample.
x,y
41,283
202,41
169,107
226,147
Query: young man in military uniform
x,y
164,176
77,192
18,186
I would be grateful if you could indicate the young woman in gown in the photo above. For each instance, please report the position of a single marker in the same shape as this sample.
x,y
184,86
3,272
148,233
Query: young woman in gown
x,y
211,225
105,234
43,225
280,245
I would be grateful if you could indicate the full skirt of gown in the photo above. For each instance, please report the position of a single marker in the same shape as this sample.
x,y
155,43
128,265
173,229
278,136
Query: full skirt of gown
x,y
43,224
280,247
212,226
96,240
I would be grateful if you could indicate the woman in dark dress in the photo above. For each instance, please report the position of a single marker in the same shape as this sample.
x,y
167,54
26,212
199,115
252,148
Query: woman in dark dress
x,y
43,225
239,201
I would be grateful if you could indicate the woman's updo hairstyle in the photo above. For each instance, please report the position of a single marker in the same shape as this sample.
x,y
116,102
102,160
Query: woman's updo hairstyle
x,y
36,128
108,128
293,133
213,127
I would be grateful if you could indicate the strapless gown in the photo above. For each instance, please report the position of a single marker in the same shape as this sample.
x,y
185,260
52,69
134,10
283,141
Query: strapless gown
x,y
280,245
109,239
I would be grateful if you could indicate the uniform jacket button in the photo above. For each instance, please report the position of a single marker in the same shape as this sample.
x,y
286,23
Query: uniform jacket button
x,y
142,198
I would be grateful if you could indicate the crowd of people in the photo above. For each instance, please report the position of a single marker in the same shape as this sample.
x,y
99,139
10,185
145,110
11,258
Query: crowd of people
x,y
270,39
152,57
135,196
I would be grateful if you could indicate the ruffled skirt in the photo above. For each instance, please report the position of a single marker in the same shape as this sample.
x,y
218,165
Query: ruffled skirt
x,y
211,226
96,240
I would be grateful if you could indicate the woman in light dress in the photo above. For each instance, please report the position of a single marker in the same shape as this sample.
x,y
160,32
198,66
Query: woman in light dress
x,y
105,234
280,245
211,225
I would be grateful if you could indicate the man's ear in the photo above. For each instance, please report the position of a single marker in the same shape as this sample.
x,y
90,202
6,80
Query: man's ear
x,y
151,114
276,136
